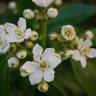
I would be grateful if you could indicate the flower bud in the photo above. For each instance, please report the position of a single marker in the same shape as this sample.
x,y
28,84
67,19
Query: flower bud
x,y
13,62
88,35
58,2
69,52
52,12
34,36
12,5
66,54
28,14
53,36
29,44
21,54
43,86
76,41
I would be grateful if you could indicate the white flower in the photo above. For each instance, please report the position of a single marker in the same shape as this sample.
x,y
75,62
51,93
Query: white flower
x,y
42,68
28,14
68,32
52,12
21,54
84,50
88,34
13,62
43,3
18,34
4,44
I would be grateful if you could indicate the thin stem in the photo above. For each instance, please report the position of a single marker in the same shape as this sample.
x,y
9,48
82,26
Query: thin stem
x,y
43,33
43,27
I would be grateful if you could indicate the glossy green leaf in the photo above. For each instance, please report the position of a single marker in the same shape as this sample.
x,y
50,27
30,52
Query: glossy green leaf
x,y
4,77
71,14
86,76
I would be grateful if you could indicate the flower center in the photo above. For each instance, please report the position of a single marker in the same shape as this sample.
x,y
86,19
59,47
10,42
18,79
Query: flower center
x,y
85,51
68,33
19,33
43,64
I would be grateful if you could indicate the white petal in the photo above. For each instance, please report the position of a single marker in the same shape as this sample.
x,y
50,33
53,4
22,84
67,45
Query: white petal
x,y
43,3
11,37
28,33
76,55
9,27
48,52
80,45
37,51
83,61
1,27
35,77
22,24
92,53
36,58
53,61
6,48
87,43
49,75
29,67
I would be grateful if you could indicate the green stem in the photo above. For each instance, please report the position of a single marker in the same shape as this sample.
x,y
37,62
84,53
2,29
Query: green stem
x,y
43,27
43,33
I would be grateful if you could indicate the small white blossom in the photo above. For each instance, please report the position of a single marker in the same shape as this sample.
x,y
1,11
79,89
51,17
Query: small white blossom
x,y
42,68
84,51
21,54
89,35
68,32
13,62
28,14
4,44
43,3
18,34
52,12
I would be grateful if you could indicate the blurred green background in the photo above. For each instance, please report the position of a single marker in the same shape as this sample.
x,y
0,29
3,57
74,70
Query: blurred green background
x,y
71,79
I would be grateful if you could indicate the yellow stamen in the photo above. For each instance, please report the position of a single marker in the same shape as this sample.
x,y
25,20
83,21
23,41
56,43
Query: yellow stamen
x,y
19,33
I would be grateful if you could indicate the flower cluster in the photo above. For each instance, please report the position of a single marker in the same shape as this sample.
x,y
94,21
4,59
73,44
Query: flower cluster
x,y
20,43
80,48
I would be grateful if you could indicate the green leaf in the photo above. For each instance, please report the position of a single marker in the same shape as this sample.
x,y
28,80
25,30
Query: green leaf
x,y
86,77
71,14
65,80
4,77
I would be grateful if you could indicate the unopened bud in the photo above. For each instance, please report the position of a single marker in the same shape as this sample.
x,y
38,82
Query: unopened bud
x,y
34,36
76,41
53,36
58,2
13,62
88,35
28,14
12,5
21,54
43,86
29,44
52,12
